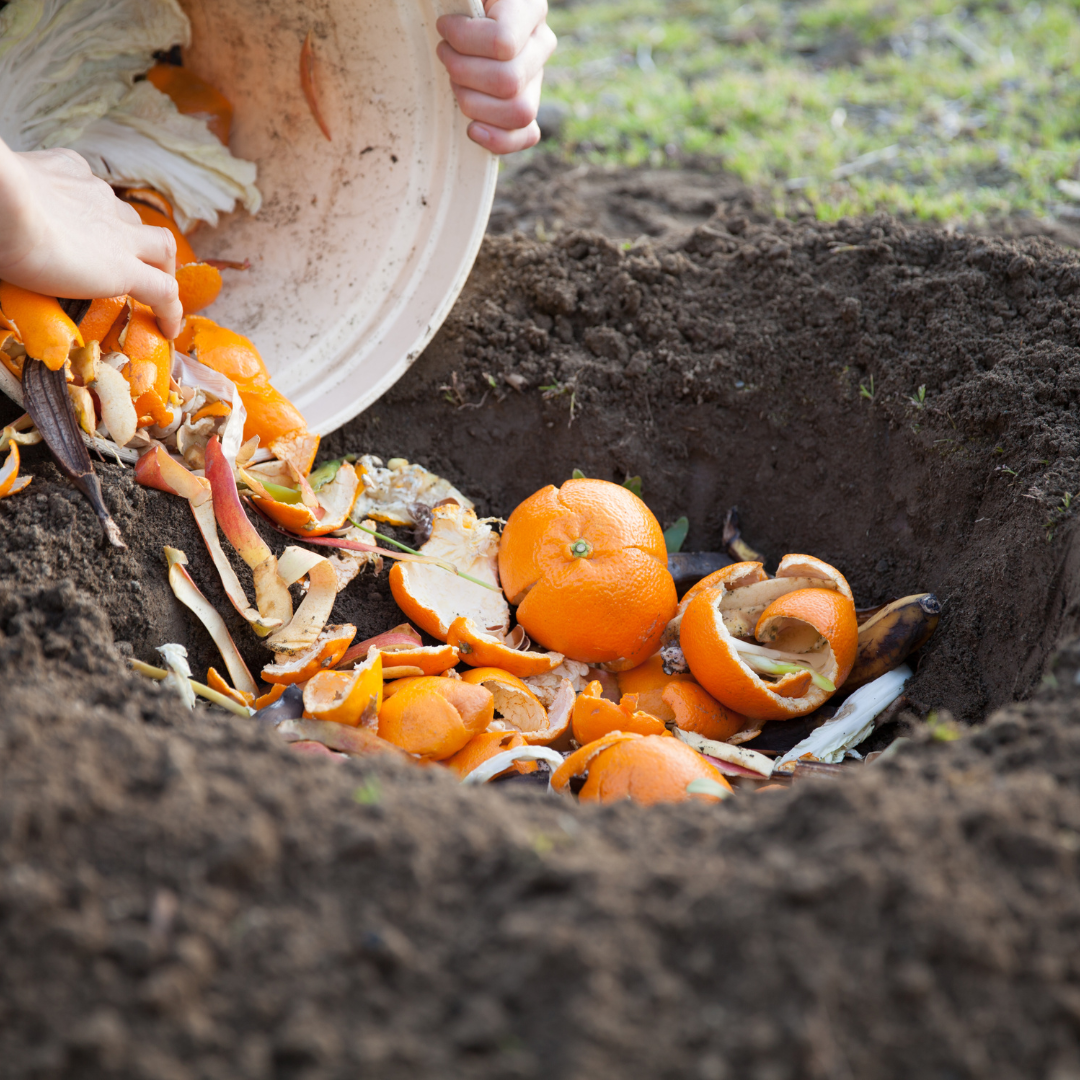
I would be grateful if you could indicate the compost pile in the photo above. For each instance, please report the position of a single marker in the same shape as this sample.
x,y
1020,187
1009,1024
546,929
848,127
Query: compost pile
x,y
180,896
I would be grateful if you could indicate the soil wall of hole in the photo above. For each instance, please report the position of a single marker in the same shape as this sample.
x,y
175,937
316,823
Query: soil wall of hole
x,y
179,897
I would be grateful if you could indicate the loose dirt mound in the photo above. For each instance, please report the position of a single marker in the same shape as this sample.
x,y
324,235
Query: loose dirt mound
x,y
179,897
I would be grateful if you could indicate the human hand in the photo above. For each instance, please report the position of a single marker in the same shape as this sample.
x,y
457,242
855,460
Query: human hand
x,y
496,67
64,233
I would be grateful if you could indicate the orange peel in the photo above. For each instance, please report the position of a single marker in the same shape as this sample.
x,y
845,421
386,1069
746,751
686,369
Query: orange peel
x,y
9,474
325,652
199,285
433,598
695,709
652,770
520,709
194,96
479,648
216,682
99,319
649,681
45,331
347,697
433,717
484,746
808,617
594,716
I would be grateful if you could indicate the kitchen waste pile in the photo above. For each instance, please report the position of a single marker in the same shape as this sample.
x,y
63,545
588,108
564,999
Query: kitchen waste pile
x,y
632,692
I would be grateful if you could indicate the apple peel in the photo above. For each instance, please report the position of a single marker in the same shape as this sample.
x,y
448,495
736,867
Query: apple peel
x,y
314,611
355,741
188,593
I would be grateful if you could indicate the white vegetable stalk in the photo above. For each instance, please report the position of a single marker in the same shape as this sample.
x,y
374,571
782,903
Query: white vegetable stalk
x,y
179,677
67,79
852,723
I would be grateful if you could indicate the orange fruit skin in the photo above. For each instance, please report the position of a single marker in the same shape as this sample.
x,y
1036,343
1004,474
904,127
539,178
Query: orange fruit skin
x,y
270,696
434,717
332,649
184,252
712,661
649,682
831,614
148,353
609,605
481,650
486,745
270,414
199,285
216,682
98,321
577,764
193,96
595,716
693,709
46,332
648,771
343,697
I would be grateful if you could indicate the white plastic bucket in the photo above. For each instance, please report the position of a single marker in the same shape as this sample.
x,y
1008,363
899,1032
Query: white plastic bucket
x,y
364,242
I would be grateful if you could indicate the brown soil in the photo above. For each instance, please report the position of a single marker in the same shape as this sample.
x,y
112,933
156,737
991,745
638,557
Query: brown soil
x,y
180,897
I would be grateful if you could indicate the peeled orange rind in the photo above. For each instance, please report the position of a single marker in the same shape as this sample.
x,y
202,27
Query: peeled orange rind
x,y
434,717
46,332
433,598
577,764
389,494
649,681
594,716
500,762
484,745
519,708
694,709
403,636
482,649
326,652
347,697
215,681
651,770
10,471
812,634
427,659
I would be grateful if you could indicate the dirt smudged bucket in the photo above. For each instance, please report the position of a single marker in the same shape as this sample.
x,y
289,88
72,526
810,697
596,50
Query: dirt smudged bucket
x,y
363,242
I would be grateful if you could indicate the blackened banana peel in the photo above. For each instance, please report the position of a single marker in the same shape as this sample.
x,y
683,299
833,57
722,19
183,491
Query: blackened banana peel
x,y
49,405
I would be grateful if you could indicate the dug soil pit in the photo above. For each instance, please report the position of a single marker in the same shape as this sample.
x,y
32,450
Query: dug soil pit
x,y
182,897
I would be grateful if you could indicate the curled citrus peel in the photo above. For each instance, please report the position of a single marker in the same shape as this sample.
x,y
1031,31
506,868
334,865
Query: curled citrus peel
x,y
397,492
649,682
646,769
324,653
332,504
484,746
45,331
98,321
271,592
518,707
594,716
587,566
811,631
199,285
434,717
188,593
424,659
433,598
9,474
479,648
694,709
347,697
149,366
216,682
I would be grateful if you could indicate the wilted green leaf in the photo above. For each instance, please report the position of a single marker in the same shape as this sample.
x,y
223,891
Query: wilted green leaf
x,y
675,535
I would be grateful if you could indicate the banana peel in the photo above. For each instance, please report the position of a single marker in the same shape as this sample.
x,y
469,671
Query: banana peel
x,y
891,635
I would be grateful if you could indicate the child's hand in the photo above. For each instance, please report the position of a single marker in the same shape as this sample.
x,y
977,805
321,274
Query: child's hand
x,y
64,233
496,66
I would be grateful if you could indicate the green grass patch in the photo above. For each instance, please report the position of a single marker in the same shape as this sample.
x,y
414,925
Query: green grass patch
x,y
920,107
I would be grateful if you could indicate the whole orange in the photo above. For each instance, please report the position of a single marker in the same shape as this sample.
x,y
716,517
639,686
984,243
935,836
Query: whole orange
x,y
587,566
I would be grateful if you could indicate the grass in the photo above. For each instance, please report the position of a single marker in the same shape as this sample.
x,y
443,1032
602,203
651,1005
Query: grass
x,y
923,108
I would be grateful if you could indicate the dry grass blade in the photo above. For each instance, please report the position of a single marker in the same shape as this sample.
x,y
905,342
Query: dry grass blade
x,y
47,401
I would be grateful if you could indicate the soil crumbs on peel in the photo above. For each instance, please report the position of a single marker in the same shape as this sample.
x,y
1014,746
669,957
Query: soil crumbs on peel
x,y
181,897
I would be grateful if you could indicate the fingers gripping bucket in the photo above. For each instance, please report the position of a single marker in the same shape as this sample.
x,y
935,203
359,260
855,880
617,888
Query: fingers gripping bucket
x,y
363,242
